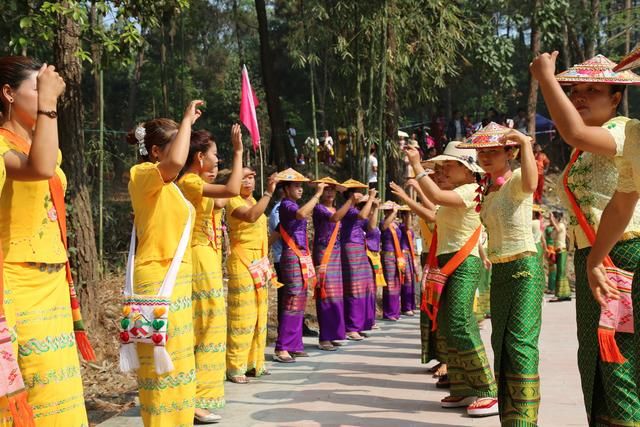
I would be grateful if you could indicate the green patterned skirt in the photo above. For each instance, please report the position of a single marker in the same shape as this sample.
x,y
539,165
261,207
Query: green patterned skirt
x,y
611,394
563,290
516,317
467,362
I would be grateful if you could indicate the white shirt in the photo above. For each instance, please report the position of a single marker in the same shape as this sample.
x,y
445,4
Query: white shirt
x,y
373,168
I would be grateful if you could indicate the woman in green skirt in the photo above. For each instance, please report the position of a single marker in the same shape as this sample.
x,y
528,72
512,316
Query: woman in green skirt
x,y
563,290
517,281
587,120
458,230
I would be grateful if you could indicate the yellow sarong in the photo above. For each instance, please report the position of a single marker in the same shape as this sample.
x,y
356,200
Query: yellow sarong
x,y
37,307
209,326
247,317
168,400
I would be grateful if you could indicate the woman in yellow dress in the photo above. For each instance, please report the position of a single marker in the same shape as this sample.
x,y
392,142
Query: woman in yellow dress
x,y
161,215
209,312
249,275
37,291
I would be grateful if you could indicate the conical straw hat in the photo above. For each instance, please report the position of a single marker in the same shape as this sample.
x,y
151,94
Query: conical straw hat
x,y
488,137
291,175
598,69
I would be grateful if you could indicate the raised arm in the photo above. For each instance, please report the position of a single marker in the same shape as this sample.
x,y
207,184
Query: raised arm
x,y
423,197
567,120
430,188
307,209
366,209
389,219
232,187
428,215
340,213
40,164
252,213
373,215
527,160
177,152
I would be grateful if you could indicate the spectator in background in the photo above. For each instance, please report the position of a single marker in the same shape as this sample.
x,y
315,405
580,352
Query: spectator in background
x,y
330,155
520,121
373,168
291,134
469,127
543,162
437,129
456,130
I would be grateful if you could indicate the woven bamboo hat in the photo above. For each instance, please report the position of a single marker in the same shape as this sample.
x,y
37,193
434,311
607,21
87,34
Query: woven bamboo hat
x,y
352,183
291,175
489,136
632,60
598,69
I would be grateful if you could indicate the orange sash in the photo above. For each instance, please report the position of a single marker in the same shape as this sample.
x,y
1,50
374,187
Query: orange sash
x,y
57,197
322,268
400,260
306,263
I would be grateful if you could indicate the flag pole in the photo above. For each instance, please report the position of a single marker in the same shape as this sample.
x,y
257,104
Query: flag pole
x,y
261,169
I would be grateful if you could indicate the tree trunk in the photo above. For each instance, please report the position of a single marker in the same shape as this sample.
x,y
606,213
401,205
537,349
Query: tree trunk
x,y
591,35
396,166
163,69
84,257
627,48
281,153
532,100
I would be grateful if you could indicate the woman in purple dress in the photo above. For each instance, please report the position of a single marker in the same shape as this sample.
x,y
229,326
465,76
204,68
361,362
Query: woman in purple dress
x,y
393,262
357,276
328,262
407,243
296,265
372,238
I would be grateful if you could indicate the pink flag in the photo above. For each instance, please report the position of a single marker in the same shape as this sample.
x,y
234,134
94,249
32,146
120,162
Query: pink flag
x,y
248,104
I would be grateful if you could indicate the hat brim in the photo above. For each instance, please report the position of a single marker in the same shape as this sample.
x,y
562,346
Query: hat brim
x,y
487,144
629,62
446,157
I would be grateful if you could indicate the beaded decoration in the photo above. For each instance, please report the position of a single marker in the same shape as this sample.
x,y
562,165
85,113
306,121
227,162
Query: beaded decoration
x,y
483,188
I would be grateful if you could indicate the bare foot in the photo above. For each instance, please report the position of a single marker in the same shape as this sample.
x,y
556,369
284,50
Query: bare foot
x,y
441,371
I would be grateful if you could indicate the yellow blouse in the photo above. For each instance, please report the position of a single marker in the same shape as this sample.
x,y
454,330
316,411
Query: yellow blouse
x,y
245,234
593,180
456,225
507,215
629,163
217,224
161,212
192,186
28,221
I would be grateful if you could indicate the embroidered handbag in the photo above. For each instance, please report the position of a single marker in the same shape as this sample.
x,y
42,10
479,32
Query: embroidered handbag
x,y
145,318
617,316
306,262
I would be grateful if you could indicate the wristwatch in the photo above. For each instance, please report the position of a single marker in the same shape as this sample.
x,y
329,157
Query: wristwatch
x,y
51,114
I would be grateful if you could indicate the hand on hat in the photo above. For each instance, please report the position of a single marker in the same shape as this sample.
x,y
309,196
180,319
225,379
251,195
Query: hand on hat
x,y
372,193
543,66
516,136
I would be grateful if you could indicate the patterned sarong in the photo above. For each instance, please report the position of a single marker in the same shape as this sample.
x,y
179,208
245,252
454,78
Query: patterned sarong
x,y
468,365
562,282
358,284
516,317
391,292
330,310
293,299
611,394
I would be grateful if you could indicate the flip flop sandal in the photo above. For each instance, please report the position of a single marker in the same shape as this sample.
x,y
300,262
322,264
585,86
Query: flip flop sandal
x,y
457,401
240,379
352,338
252,373
327,348
281,359
435,368
374,327
298,354
364,335
337,343
483,407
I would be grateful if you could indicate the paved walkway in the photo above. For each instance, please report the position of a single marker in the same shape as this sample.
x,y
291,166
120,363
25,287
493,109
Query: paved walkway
x,y
380,382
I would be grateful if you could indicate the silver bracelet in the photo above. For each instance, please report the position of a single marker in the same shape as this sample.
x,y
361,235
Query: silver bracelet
x,y
421,175
267,194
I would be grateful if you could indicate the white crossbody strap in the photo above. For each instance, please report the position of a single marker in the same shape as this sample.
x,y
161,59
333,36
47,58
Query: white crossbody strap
x,y
170,278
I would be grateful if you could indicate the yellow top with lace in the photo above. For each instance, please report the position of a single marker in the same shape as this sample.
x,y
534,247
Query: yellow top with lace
x,y
242,233
426,231
456,225
629,163
593,179
192,186
507,215
160,213
28,221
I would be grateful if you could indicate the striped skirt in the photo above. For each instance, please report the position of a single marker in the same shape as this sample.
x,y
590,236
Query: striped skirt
x,y
611,393
330,310
408,289
516,317
169,399
391,292
292,304
246,318
209,327
37,308
358,285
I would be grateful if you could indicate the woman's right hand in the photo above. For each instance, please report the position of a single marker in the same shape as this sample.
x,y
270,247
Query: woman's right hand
x,y
50,86
272,181
236,137
192,113
413,155
398,191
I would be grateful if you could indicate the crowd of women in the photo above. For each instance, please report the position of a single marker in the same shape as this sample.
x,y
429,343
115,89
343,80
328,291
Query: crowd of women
x,y
184,334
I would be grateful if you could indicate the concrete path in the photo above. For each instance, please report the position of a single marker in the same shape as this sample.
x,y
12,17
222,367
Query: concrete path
x,y
380,382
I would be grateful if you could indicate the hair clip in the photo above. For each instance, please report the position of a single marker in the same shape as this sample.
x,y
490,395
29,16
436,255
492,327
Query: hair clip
x,y
140,133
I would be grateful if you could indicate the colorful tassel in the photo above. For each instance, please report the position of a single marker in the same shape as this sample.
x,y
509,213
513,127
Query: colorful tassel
x,y
129,361
609,351
162,360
